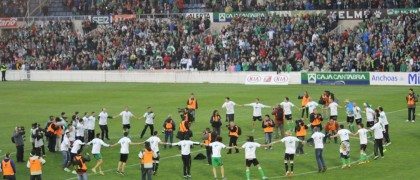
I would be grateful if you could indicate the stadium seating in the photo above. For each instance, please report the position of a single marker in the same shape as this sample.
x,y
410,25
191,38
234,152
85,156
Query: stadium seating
x,y
13,8
273,5
273,43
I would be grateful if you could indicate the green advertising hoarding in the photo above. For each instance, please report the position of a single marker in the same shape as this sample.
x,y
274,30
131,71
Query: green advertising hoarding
x,y
227,17
336,78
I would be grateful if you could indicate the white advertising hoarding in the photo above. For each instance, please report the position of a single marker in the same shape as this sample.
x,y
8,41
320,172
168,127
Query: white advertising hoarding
x,y
395,78
267,79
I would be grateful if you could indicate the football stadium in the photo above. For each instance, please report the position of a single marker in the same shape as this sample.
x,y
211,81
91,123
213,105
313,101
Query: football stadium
x,y
199,89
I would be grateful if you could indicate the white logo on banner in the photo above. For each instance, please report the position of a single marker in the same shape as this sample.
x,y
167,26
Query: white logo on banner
x,y
270,79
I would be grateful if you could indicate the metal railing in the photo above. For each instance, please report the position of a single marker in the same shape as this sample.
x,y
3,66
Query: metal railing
x,y
37,9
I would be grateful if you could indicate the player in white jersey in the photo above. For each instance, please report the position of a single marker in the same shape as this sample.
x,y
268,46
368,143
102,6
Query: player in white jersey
x,y
289,155
103,123
91,121
186,155
384,122
333,106
250,157
97,143
256,113
154,144
311,105
216,157
344,135
125,143
370,115
378,130
230,109
357,114
149,117
126,116
362,132
287,107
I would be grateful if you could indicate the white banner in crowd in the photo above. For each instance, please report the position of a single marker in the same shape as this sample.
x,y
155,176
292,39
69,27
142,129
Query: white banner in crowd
x,y
267,79
395,78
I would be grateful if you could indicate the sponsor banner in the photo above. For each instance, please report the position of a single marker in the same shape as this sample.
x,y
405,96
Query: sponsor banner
x,y
280,13
198,15
123,17
413,78
395,78
227,17
310,12
267,79
8,22
357,14
384,78
403,11
101,19
338,78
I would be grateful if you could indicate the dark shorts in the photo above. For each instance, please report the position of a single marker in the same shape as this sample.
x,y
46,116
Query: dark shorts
x,y
350,119
126,126
254,118
359,121
249,162
363,147
344,156
288,117
230,117
333,117
370,123
289,157
123,157
156,158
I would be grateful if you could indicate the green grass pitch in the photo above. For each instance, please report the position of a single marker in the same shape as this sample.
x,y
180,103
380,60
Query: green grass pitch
x,y
23,103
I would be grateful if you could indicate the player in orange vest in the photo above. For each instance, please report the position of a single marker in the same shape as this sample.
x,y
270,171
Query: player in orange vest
x,y
169,128
411,105
305,99
300,131
81,168
192,105
146,160
35,166
268,127
8,168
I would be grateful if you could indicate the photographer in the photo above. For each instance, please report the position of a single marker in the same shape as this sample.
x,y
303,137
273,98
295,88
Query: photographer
x,y
18,139
316,120
300,131
216,122
38,137
52,134
411,99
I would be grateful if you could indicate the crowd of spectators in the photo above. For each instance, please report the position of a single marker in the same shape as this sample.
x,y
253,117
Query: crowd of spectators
x,y
107,7
278,5
13,8
274,43
132,44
